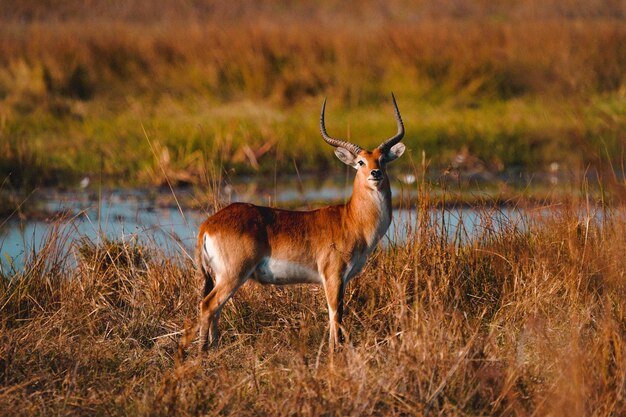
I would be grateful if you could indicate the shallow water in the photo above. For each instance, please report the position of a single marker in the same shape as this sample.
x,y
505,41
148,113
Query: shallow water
x,y
124,214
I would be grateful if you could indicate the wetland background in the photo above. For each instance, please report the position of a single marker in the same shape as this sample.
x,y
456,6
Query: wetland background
x,y
145,115
233,87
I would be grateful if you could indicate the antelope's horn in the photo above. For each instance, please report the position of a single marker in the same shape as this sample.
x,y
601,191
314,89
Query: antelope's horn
x,y
336,142
386,145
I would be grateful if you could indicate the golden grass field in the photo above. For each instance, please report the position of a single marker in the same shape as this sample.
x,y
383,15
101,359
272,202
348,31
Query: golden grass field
x,y
522,320
530,320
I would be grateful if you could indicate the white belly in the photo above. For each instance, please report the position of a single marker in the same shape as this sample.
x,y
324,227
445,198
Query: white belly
x,y
278,271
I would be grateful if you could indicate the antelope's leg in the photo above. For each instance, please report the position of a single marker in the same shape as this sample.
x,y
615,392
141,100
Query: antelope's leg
x,y
334,288
204,318
211,307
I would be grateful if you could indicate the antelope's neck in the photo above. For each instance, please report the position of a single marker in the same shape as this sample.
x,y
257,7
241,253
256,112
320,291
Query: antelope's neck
x,y
370,211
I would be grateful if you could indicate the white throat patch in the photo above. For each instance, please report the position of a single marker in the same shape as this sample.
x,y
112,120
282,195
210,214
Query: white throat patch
x,y
383,223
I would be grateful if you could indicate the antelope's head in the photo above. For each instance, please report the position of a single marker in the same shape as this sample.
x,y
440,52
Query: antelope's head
x,y
370,165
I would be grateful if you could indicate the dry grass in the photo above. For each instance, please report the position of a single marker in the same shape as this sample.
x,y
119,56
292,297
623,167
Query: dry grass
x,y
288,61
524,321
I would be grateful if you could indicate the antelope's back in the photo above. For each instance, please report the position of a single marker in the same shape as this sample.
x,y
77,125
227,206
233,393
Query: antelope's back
x,y
281,233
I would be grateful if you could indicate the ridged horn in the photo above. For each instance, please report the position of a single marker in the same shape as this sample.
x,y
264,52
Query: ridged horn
x,y
336,142
386,145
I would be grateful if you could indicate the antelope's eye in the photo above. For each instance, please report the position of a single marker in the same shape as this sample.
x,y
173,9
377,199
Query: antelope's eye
x,y
361,163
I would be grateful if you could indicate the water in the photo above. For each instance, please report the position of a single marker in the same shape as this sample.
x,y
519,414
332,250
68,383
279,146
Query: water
x,y
125,214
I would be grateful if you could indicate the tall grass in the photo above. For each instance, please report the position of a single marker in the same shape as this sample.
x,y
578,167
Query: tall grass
x,y
517,84
295,61
522,320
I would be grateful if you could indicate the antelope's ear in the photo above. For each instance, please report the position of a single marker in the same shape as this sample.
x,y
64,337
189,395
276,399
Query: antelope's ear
x,y
395,152
346,156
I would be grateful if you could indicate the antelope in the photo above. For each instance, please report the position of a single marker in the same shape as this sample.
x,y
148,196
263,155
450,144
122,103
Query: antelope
x,y
327,246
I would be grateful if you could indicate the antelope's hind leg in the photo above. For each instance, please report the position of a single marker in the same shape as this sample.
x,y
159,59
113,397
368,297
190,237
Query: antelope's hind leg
x,y
210,309
206,284
211,305
232,256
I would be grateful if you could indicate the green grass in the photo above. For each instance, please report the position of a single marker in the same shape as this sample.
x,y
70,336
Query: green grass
x,y
192,134
78,89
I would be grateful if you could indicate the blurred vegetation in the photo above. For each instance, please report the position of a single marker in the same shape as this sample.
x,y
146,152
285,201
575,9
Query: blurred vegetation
x,y
135,91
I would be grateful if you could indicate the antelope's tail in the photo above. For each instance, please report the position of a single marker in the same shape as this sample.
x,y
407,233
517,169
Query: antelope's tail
x,y
203,275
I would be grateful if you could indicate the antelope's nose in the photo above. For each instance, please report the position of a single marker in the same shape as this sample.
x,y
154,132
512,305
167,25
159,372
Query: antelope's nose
x,y
376,174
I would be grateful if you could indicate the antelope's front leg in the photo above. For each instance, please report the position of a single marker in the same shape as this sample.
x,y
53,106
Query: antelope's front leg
x,y
334,288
